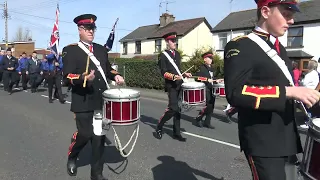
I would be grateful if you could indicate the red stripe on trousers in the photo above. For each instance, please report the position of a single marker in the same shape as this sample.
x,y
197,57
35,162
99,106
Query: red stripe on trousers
x,y
253,168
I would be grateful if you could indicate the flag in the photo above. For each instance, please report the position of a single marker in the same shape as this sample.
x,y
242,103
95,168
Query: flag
x,y
110,40
54,39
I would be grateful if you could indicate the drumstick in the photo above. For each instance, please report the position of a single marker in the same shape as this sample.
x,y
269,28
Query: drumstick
x,y
187,70
86,73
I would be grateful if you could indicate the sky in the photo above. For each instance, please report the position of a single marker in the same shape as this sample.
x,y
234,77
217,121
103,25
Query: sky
x,y
38,16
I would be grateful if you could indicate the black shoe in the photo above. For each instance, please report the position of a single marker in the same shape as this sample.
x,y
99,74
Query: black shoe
x,y
98,177
179,138
62,101
158,134
50,100
72,167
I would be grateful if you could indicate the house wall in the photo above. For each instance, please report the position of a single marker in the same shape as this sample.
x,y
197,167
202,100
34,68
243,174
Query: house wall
x,y
311,38
197,38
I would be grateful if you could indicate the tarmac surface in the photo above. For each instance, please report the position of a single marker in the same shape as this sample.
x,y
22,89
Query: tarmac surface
x,y
35,137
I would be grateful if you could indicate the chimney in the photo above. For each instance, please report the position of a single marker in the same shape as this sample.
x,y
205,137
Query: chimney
x,y
165,19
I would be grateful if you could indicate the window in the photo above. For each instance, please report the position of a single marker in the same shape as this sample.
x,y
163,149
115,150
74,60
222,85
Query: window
x,y
222,40
125,48
158,45
295,37
138,47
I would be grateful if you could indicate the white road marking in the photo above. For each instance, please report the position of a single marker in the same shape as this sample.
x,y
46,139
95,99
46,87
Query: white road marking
x,y
184,132
202,137
211,139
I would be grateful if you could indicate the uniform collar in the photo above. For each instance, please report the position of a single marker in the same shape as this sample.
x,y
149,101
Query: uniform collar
x,y
264,34
86,44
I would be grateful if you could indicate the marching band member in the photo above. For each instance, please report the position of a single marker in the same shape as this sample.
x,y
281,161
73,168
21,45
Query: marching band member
x,y
10,75
22,70
54,77
169,64
85,100
206,76
263,91
34,71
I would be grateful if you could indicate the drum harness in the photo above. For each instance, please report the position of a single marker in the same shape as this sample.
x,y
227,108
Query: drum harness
x,y
108,124
281,64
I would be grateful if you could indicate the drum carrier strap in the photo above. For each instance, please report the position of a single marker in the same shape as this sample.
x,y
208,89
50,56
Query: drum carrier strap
x,y
116,137
280,62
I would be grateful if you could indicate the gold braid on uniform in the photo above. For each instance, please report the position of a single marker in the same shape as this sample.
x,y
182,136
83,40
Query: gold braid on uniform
x,y
73,76
202,79
261,92
169,76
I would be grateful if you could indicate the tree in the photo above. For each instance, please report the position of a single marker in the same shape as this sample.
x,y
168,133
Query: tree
x,y
22,35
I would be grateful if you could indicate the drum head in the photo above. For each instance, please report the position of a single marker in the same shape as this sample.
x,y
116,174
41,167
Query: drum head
x,y
316,124
121,94
218,85
193,85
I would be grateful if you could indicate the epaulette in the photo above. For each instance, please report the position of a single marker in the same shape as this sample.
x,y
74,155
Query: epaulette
x,y
239,38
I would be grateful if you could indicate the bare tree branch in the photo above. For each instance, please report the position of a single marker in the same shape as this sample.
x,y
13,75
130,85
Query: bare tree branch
x,y
22,35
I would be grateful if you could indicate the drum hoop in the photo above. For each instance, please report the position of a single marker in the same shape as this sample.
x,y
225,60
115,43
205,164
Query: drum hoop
x,y
121,100
125,124
218,85
185,89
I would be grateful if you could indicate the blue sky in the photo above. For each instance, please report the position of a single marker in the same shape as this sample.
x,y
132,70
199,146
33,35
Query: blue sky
x,y
38,16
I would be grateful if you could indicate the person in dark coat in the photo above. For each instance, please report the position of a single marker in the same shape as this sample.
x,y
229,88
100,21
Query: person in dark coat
x,y
169,64
10,74
263,91
206,76
87,98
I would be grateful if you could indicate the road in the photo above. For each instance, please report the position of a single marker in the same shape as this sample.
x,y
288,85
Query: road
x,y
35,136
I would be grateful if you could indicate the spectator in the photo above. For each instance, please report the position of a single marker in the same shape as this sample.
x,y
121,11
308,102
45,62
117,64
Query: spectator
x,y
296,73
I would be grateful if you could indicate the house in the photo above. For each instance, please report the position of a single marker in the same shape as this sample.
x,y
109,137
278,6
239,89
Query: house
x,y
301,40
147,40
18,48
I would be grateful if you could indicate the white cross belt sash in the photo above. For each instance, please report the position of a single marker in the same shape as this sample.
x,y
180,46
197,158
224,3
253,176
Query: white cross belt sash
x,y
273,55
95,61
173,63
277,59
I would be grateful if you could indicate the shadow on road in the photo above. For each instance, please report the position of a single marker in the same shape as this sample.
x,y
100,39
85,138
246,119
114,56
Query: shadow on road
x,y
172,169
111,156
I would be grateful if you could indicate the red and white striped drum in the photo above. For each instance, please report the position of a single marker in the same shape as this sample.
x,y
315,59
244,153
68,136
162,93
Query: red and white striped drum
x,y
193,93
121,106
218,90
310,165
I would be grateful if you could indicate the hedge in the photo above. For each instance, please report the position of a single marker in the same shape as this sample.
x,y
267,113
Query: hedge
x,y
146,74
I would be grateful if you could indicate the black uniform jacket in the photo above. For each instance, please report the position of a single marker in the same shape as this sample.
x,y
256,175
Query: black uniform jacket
x,y
75,61
168,71
256,86
9,63
204,75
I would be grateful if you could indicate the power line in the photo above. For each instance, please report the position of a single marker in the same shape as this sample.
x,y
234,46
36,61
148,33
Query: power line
x,y
69,22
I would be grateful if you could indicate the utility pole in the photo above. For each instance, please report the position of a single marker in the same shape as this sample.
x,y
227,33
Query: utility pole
x,y
6,17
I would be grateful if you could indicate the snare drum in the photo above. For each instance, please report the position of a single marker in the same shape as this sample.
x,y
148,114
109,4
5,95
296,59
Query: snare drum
x,y
218,89
193,93
310,165
121,106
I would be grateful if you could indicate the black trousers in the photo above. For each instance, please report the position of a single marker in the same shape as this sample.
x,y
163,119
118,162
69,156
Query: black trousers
x,y
173,110
35,80
54,79
9,79
208,109
84,135
1,74
24,80
266,168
